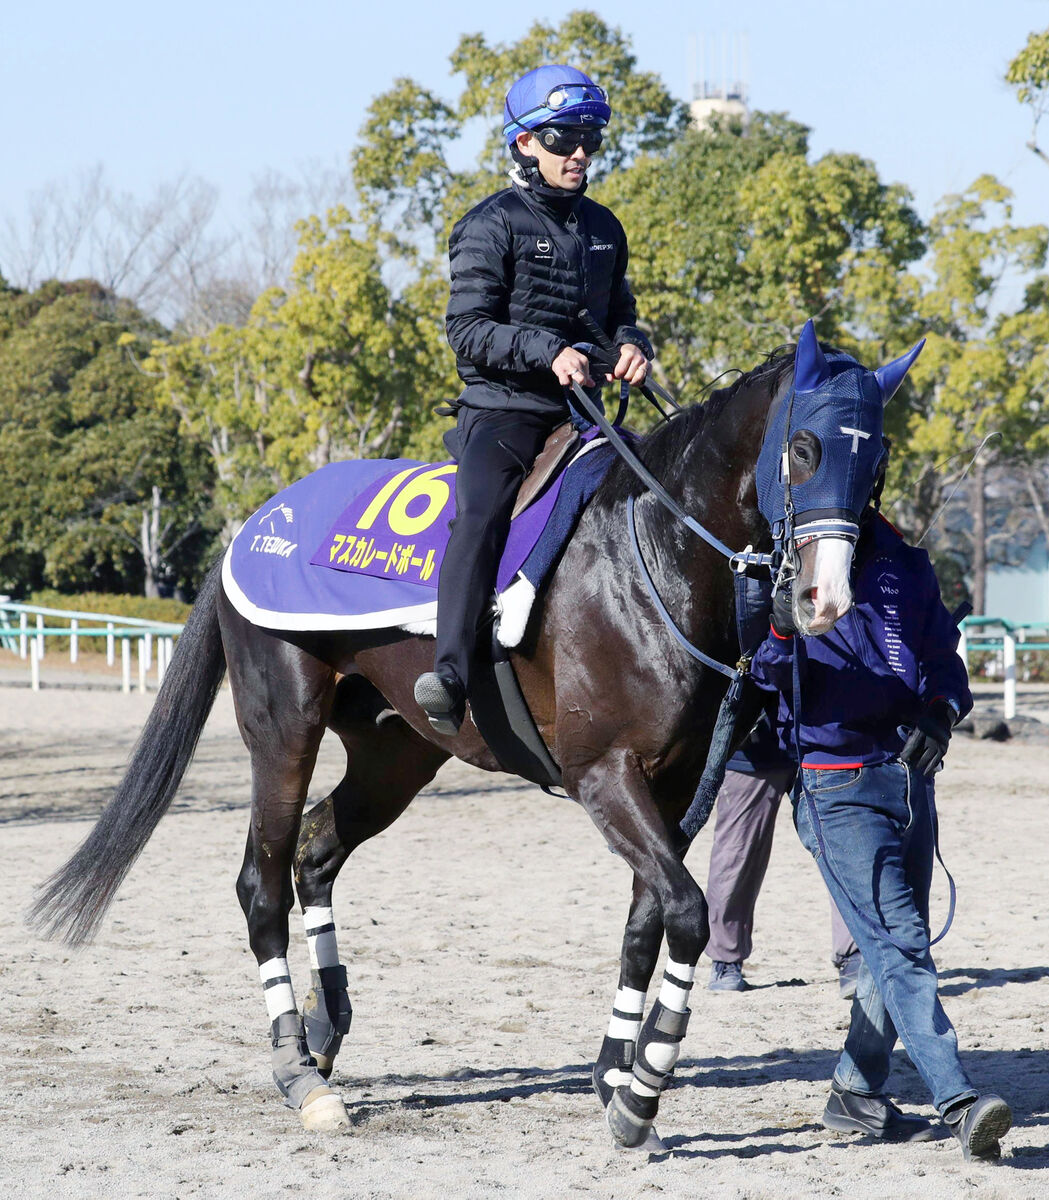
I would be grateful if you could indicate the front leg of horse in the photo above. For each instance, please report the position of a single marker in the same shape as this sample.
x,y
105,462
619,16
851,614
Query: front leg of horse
x,y
617,797
641,944
632,1110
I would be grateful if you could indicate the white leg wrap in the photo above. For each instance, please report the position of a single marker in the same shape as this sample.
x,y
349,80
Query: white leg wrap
x,y
628,1011
276,987
642,1089
660,1045
676,986
662,1055
320,937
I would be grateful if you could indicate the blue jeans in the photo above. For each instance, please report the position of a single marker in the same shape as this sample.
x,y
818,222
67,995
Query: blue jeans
x,y
876,828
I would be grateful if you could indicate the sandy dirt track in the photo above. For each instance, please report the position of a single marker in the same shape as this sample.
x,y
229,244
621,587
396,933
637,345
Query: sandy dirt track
x,y
481,935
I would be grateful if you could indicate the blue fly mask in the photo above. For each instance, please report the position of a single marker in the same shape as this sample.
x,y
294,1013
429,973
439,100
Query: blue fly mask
x,y
840,402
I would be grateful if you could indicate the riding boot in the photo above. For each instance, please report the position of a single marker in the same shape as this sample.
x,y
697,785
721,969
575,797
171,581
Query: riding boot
x,y
443,698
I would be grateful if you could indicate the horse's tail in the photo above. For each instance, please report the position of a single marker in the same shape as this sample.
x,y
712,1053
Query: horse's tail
x,y
72,903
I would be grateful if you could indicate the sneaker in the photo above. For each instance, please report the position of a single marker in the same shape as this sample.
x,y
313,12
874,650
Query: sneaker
x,y
848,974
978,1124
875,1116
442,698
727,977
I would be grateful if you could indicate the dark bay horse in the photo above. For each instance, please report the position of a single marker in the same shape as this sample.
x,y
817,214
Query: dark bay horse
x,y
627,715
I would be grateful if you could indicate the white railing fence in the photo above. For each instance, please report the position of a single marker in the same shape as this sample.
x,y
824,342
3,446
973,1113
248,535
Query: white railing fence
x,y
1000,637
24,631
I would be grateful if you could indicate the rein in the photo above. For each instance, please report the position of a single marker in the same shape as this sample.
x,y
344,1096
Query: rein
x,y
738,560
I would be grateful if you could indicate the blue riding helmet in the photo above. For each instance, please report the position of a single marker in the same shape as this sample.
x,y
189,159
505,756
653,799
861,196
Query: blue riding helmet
x,y
554,94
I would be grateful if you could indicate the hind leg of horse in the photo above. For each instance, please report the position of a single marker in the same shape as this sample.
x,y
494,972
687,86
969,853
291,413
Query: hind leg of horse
x,y
388,763
282,699
617,796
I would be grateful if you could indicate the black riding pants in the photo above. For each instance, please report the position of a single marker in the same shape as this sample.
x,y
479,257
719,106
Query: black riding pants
x,y
497,449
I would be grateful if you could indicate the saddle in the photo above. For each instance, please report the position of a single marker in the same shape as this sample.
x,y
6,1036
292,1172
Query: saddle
x,y
561,444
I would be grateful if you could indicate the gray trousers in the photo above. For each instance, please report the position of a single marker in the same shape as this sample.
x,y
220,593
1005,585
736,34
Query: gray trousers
x,y
746,822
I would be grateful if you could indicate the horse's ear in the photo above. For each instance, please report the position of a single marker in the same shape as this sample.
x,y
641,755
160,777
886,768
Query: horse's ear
x,y
892,374
810,367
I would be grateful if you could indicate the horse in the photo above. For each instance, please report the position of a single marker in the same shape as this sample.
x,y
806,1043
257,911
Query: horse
x,y
627,715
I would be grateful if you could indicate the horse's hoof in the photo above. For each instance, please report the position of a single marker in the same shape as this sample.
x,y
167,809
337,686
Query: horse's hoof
x,y
324,1112
653,1144
324,1063
629,1130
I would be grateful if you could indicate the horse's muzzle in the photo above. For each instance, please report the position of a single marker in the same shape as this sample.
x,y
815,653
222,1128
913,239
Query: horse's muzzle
x,y
823,589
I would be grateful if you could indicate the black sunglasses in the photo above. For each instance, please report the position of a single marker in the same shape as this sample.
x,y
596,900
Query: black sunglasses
x,y
562,140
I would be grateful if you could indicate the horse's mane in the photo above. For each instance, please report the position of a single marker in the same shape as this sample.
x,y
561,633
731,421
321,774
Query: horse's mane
x,y
665,446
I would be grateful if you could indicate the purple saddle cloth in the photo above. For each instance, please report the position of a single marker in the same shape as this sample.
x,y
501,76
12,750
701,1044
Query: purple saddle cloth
x,y
358,544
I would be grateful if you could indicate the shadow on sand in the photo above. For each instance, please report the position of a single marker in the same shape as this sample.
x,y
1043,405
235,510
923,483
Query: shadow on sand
x,y
967,979
1020,1076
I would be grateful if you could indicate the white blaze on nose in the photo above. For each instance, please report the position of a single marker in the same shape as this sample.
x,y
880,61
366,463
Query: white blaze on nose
x,y
832,591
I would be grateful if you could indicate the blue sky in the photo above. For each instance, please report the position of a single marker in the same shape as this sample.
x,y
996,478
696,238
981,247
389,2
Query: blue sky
x,y
226,90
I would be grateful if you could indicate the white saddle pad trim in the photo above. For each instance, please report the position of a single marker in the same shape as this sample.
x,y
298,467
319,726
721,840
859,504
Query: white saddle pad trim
x,y
307,622
515,603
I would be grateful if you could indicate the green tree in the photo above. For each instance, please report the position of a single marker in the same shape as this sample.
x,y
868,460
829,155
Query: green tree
x,y
85,455
402,163
1029,74
336,365
983,372
737,239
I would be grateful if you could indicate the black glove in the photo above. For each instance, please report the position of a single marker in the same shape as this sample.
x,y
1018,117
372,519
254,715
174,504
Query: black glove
x,y
930,737
782,612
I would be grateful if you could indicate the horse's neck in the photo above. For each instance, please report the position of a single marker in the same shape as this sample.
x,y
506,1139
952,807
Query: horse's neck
x,y
714,480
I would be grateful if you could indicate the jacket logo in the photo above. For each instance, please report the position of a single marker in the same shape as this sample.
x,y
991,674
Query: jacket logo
x,y
542,245
602,246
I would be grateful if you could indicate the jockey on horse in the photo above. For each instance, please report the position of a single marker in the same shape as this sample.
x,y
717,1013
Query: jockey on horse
x,y
523,263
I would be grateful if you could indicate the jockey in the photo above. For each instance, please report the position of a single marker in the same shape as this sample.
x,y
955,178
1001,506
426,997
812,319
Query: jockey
x,y
523,263
870,706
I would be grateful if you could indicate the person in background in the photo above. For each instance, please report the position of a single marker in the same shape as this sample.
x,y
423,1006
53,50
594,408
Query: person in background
x,y
759,774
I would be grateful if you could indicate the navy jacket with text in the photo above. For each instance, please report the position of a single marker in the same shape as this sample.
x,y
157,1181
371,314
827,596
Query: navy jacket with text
x,y
865,682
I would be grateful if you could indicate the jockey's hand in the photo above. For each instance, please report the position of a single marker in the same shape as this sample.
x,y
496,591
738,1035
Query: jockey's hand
x,y
572,367
930,737
632,365
783,612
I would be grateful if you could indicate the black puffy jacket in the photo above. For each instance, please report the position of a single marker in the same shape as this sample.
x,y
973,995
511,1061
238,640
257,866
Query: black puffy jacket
x,y
522,266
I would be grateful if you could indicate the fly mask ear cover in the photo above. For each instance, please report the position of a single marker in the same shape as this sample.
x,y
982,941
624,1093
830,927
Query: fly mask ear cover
x,y
840,402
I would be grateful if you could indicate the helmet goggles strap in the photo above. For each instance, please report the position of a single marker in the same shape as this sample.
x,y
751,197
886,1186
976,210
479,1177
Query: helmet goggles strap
x,y
556,98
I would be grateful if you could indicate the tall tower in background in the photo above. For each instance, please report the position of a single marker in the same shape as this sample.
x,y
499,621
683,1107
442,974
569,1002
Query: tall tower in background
x,y
718,76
